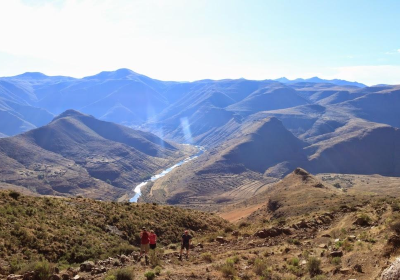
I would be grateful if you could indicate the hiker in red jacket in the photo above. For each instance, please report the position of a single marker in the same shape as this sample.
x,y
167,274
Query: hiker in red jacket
x,y
144,243
153,239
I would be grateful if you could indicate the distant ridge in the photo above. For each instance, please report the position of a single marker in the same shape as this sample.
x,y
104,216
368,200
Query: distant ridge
x,y
338,82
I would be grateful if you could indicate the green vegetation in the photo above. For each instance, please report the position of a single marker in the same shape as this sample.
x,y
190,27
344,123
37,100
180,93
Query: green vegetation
x,y
313,266
150,275
228,269
67,231
260,267
207,257
336,260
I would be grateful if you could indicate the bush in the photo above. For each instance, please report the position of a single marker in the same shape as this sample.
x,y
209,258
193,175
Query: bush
x,y
313,266
260,267
243,224
207,257
228,229
294,261
157,270
319,277
395,206
15,195
43,270
124,274
395,226
228,269
154,257
150,275
336,260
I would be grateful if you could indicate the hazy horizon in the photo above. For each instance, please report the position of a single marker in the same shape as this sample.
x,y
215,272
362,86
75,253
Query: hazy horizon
x,y
188,41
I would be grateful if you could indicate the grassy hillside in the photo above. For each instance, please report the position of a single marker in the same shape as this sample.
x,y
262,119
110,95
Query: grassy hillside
x,y
77,229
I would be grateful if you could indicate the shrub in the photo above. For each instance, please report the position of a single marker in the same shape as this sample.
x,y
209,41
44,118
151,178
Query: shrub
x,y
124,274
260,267
157,270
319,277
336,260
294,261
207,257
347,246
395,226
43,270
364,218
154,257
150,275
236,259
15,195
228,269
395,206
243,224
313,266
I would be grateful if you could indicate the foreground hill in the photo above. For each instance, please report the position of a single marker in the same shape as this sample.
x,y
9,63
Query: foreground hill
x,y
77,154
304,228
298,193
68,231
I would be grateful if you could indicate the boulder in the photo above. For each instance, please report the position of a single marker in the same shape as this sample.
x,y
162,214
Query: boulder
x,y
358,268
345,270
65,276
361,222
15,277
272,232
55,277
326,235
351,238
29,275
87,266
323,246
124,259
235,233
394,240
301,224
336,254
392,272
220,239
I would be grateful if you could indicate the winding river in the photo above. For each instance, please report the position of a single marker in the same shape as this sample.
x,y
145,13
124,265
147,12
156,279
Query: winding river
x,y
163,173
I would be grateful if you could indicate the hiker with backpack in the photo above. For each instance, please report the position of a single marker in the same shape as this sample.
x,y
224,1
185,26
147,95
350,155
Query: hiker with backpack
x,y
153,240
144,243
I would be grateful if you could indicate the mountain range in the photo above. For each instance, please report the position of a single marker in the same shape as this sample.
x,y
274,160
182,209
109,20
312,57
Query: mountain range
x,y
255,133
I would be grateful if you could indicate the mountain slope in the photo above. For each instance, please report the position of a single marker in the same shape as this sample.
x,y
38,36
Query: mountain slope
x,y
77,154
233,171
298,193
269,98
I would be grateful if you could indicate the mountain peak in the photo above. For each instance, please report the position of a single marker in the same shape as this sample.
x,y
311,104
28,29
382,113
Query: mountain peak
x,y
32,75
121,73
70,113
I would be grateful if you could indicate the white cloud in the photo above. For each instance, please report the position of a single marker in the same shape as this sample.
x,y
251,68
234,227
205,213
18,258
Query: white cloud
x,y
398,50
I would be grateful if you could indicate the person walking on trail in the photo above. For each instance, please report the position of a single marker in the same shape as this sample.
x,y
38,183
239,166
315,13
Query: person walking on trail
x,y
153,240
185,244
144,243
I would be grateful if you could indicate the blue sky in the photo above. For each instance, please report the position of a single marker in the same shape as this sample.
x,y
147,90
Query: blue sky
x,y
198,39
